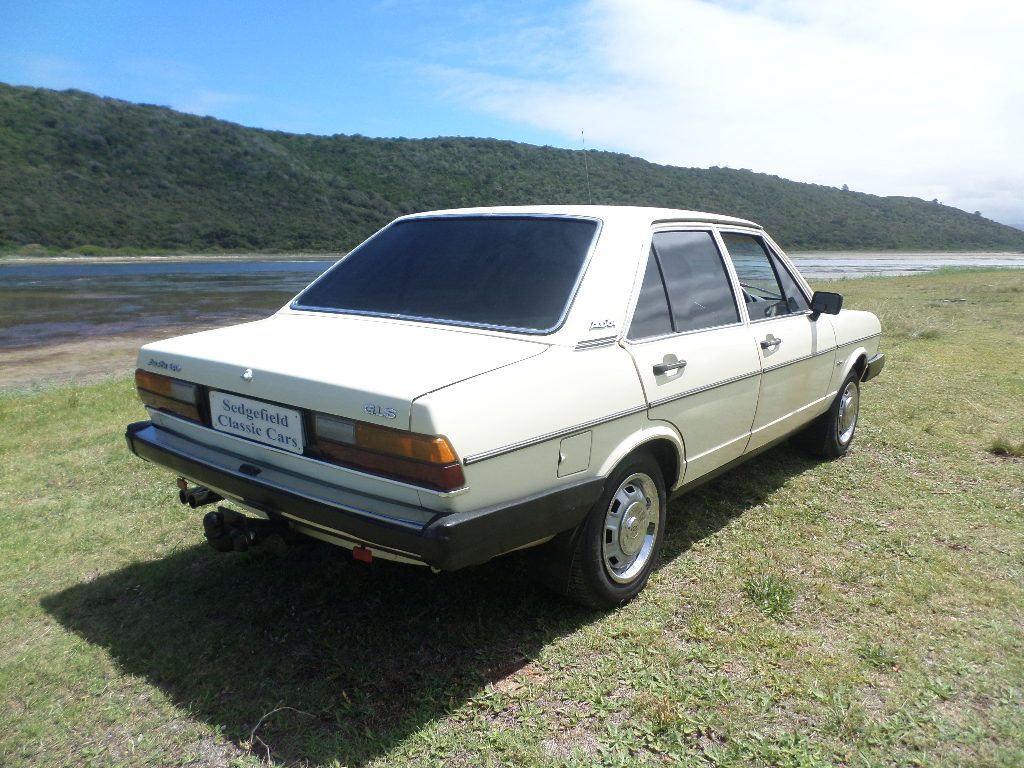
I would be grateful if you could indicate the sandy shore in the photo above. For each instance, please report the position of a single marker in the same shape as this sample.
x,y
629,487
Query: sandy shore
x,y
182,257
82,361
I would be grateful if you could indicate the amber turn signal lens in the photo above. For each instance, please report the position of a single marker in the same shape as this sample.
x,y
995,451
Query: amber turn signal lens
x,y
445,477
166,386
167,394
432,449
428,460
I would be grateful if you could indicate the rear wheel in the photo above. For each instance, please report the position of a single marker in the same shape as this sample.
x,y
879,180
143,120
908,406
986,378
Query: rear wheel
x,y
618,544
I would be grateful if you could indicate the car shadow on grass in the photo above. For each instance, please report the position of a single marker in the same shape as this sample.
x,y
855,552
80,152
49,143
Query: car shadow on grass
x,y
367,654
709,508
358,657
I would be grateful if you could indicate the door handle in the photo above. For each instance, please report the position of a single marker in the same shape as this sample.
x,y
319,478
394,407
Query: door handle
x,y
770,341
660,369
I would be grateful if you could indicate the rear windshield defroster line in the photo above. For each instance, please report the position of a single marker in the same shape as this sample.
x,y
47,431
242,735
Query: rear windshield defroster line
x,y
514,273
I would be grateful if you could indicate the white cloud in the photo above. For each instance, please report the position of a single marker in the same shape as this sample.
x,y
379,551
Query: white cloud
x,y
894,97
54,72
206,102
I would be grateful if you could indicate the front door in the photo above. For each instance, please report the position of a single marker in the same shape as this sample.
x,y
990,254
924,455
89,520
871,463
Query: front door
x,y
797,353
699,367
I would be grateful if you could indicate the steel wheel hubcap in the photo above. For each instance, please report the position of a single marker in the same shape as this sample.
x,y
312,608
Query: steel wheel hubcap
x,y
631,528
849,405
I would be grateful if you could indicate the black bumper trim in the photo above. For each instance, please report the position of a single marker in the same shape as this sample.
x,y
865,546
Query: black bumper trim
x,y
447,541
874,367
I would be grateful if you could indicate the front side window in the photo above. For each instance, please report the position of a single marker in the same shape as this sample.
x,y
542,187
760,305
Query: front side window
x,y
513,272
768,288
685,288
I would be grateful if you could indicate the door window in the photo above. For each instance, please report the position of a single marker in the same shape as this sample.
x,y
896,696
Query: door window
x,y
689,270
768,288
651,316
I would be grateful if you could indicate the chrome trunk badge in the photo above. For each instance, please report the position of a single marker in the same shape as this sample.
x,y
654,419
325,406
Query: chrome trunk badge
x,y
247,374
379,410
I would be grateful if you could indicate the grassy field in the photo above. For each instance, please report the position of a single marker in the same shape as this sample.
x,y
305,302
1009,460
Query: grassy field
x,y
868,611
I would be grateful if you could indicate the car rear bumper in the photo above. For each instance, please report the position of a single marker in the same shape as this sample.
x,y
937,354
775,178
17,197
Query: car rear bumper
x,y
874,367
445,541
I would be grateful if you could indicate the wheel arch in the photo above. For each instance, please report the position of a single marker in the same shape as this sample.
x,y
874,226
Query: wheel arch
x,y
857,361
860,365
662,442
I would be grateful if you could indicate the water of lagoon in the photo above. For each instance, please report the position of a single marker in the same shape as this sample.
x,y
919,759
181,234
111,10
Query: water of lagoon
x,y
48,303
43,304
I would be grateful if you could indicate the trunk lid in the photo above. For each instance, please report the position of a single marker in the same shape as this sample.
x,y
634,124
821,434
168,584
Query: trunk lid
x,y
358,367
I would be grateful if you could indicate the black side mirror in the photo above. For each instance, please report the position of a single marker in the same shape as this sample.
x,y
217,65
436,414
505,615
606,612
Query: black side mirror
x,y
824,302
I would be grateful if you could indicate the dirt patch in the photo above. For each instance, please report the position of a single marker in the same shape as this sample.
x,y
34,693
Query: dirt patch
x,y
81,361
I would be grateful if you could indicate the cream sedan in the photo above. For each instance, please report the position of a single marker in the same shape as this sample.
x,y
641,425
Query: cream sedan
x,y
471,382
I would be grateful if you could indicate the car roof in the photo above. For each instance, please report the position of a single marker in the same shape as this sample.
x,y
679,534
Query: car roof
x,y
608,213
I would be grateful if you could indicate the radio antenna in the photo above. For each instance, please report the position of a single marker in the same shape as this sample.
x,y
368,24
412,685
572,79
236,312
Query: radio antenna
x,y
586,167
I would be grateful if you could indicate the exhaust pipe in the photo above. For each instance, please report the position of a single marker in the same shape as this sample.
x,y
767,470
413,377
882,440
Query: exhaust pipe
x,y
197,496
201,497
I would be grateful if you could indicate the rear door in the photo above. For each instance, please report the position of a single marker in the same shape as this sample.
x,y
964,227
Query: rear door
x,y
797,353
694,354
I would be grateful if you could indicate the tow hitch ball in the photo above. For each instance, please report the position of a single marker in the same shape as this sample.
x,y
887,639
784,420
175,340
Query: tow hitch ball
x,y
228,531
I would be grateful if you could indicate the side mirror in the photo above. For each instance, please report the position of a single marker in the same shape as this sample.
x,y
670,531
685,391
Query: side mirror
x,y
824,302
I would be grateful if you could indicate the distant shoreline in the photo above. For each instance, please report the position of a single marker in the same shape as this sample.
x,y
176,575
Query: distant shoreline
x,y
334,256
908,255
11,258
103,356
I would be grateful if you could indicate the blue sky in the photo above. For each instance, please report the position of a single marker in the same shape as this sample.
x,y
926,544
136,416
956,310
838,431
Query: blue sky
x,y
370,68
892,97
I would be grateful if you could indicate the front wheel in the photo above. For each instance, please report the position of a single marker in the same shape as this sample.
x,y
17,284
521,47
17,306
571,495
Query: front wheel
x,y
831,434
618,544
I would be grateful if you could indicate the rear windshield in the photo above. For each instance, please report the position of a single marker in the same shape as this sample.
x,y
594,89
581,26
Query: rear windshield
x,y
515,272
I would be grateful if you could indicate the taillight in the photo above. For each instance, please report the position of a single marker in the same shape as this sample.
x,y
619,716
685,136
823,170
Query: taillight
x,y
426,460
166,394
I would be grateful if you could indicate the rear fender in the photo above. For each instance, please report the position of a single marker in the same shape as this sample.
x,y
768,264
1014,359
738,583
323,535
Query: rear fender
x,y
637,440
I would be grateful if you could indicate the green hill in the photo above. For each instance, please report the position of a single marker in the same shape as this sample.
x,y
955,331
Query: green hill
x,y
78,169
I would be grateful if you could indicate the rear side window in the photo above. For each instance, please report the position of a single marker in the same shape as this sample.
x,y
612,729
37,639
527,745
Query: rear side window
x,y
513,272
695,290
651,317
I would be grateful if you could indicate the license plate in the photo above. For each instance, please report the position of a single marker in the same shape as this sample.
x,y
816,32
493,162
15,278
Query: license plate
x,y
257,420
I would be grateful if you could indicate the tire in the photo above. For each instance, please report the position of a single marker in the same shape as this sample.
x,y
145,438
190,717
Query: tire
x,y
617,545
831,434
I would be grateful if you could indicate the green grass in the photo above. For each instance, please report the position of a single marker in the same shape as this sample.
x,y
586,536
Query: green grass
x,y
868,611
878,656
772,595
1003,446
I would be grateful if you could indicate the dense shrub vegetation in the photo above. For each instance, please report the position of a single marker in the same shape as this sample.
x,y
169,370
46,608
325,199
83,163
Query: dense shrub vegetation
x,y
79,170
